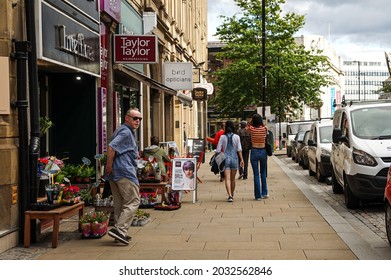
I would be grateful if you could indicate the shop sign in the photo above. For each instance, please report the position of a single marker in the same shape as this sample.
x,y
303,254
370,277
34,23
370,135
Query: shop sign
x,y
208,86
135,49
112,8
104,54
178,75
102,120
67,42
199,94
74,44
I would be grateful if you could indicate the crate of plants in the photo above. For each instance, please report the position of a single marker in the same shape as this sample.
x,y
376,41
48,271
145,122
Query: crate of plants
x,y
94,224
148,198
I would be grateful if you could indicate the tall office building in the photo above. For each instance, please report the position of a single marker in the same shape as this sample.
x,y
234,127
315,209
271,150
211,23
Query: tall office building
x,y
362,79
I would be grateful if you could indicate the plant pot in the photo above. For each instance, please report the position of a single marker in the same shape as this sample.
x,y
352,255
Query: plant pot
x,y
99,229
86,229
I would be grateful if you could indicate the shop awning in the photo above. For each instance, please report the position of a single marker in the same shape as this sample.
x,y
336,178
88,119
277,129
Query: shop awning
x,y
185,99
144,79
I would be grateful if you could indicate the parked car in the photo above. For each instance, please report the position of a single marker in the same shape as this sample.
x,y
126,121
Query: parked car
x,y
360,155
303,151
296,143
387,205
292,128
319,148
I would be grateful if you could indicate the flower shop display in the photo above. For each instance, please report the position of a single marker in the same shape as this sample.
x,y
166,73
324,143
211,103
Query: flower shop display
x,y
148,170
172,202
148,198
70,195
94,224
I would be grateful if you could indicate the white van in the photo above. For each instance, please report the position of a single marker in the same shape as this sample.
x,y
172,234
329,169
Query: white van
x,y
319,149
361,150
292,128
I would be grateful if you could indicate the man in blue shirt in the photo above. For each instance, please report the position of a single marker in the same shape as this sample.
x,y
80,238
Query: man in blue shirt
x,y
121,171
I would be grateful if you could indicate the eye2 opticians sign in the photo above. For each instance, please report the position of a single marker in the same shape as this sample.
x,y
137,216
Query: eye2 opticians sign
x,y
135,49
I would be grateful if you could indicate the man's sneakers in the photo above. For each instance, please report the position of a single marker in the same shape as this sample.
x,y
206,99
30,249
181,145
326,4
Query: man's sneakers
x,y
118,236
127,237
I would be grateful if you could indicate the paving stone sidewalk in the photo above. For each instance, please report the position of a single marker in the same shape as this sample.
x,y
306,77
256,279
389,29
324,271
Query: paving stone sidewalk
x,y
286,226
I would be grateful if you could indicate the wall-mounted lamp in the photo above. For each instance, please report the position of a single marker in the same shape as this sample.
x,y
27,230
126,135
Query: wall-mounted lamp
x,y
78,78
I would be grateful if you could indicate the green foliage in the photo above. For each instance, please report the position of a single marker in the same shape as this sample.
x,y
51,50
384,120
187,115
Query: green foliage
x,y
70,170
86,196
294,75
45,123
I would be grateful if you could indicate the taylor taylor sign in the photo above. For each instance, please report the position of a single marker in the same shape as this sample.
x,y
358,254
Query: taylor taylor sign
x,y
135,49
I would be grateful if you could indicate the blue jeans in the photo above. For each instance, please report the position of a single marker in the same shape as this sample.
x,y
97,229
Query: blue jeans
x,y
258,159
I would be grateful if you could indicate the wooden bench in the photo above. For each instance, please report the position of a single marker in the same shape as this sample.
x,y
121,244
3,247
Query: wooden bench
x,y
56,215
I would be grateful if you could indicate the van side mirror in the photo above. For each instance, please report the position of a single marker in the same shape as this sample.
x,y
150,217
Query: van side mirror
x,y
337,136
311,143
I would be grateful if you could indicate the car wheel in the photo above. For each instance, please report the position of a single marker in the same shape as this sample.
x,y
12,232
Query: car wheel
x,y
351,201
337,188
319,174
305,164
310,172
388,221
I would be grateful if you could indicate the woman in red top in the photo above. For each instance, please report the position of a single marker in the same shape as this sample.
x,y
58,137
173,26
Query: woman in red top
x,y
258,157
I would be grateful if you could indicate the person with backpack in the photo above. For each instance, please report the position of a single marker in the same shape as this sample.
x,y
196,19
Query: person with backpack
x,y
245,141
229,142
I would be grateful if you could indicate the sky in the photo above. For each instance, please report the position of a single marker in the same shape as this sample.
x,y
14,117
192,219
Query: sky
x,y
357,29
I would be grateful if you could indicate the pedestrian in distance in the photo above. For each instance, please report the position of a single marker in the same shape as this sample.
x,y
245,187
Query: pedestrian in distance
x,y
215,140
121,172
258,157
245,141
229,142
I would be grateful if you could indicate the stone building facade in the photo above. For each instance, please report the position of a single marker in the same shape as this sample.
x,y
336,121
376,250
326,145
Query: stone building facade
x,y
84,90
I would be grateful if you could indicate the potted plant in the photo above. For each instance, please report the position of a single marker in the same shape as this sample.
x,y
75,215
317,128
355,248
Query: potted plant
x,y
70,194
86,196
94,224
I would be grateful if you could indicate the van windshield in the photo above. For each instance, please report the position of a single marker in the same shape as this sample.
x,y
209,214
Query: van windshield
x,y
294,128
325,133
372,123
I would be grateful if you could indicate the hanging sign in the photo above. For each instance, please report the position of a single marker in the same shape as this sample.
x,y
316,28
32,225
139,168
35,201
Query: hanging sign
x,y
135,49
199,94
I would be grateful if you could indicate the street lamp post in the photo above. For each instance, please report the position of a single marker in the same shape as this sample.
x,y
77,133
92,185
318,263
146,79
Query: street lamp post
x,y
358,78
263,59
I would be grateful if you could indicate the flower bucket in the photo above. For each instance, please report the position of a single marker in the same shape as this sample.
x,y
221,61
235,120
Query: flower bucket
x,y
99,229
86,229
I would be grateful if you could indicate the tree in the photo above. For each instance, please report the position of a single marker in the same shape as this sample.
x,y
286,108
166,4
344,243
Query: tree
x,y
294,75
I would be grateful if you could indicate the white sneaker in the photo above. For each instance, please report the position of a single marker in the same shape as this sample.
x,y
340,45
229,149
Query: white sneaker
x,y
265,196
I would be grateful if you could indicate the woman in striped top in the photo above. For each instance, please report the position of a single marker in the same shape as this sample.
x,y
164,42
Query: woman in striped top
x,y
258,157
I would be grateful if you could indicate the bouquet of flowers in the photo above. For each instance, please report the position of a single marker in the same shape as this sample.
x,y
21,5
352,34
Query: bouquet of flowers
x,y
48,166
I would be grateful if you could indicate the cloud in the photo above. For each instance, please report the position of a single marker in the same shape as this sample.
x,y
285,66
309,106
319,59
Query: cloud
x,y
352,26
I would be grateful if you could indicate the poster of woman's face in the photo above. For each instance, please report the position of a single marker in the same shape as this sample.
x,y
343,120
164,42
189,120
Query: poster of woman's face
x,y
184,174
